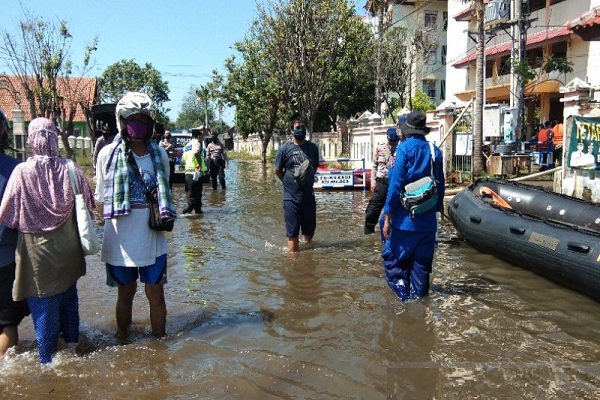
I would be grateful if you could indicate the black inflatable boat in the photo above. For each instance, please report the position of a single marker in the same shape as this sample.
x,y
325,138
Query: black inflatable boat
x,y
553,235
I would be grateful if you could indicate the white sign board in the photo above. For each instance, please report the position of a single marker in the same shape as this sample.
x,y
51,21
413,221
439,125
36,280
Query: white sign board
x,y
464,144
334,179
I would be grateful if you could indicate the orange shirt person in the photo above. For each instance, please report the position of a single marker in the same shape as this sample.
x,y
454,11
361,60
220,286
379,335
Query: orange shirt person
x,y
558,130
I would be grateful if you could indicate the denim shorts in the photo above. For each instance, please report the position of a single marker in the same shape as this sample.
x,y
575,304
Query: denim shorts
x,y
155,273
300,216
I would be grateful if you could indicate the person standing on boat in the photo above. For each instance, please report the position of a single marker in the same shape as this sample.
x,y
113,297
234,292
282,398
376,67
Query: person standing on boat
x,y
410,237
379,179
299,205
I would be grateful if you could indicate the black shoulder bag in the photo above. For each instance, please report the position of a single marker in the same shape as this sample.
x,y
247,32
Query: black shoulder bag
x,y
305,172
155,222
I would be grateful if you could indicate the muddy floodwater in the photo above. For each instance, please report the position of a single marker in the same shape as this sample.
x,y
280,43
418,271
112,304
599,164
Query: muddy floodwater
x,y
248,321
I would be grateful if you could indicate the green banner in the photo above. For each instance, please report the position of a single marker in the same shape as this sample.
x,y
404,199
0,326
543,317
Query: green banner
x,y
585,143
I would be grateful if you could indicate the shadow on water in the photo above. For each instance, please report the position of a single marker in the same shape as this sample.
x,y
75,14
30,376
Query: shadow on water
x,y
469,286
94,339
248,320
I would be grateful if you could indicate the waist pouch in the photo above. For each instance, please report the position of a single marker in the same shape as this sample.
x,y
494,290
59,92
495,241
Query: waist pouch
x,y
420,196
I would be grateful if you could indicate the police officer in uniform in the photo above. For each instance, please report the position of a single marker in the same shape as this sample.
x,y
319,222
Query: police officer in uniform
x,y
379,179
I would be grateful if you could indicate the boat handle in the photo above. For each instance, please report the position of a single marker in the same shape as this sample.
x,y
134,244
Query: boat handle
x,y
578,247
475,218
517,230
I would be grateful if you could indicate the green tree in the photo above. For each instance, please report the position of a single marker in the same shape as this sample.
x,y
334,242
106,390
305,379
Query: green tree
x,y
528,74
127,75
192,111
350,88
395,71
305,39
39,56
251,86
383,10
422,102
209,95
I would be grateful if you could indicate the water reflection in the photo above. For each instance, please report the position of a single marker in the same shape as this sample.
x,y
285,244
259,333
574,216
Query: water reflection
x,y
247,320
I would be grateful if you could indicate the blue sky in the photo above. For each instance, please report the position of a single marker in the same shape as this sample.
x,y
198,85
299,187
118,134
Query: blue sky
x,y
183,39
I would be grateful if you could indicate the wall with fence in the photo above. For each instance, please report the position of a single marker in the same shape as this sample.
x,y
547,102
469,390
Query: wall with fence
x,y
81,146
329,143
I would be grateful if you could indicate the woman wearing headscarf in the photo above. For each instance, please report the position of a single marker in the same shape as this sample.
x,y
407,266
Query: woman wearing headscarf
x,y
39,204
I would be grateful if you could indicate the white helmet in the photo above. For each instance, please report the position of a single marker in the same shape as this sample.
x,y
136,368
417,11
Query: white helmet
x,y
133,103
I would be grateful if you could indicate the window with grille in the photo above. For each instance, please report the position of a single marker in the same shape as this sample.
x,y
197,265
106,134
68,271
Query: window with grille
x,y
430,19
431,56
429,89
444,52
442,90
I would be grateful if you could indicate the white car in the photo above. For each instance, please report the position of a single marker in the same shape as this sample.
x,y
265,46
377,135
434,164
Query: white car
x,y
181,140
182,144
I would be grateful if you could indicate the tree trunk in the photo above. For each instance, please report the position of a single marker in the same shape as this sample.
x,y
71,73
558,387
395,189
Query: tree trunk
x,y
265,145
379,40
477,158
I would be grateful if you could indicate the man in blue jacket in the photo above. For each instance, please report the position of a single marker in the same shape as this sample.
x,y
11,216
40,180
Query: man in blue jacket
x,y
410,237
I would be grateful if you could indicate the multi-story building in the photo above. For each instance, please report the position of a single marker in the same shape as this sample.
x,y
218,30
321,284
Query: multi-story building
x,y
429,70
423,20
548,31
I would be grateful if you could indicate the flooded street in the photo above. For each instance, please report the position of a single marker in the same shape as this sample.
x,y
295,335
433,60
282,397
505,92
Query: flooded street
x,y
248,321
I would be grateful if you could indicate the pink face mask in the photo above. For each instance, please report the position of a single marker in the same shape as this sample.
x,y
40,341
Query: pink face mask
x,y
137,130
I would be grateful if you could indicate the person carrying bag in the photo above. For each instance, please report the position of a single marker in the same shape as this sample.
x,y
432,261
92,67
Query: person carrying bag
x,y
90,244
155,221
415,197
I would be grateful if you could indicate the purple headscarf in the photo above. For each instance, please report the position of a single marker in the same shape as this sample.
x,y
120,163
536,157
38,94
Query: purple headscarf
x,y
38,196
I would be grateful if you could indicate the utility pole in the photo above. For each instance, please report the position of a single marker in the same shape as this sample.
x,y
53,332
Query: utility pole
x,y
221,116
206,109
519,25
379,41
517,89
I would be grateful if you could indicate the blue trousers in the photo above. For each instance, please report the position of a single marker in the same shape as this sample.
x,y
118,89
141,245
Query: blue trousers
x,y
53,316
407,259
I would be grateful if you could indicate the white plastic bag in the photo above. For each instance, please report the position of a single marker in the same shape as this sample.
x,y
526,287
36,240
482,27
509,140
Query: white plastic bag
x,y
90,244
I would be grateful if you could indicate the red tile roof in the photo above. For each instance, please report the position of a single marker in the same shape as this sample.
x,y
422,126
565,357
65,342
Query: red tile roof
x,y
539,37
79,90
585,20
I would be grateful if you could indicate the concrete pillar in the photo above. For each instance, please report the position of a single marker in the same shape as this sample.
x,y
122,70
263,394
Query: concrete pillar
x,y
446,119
375,119
348,142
